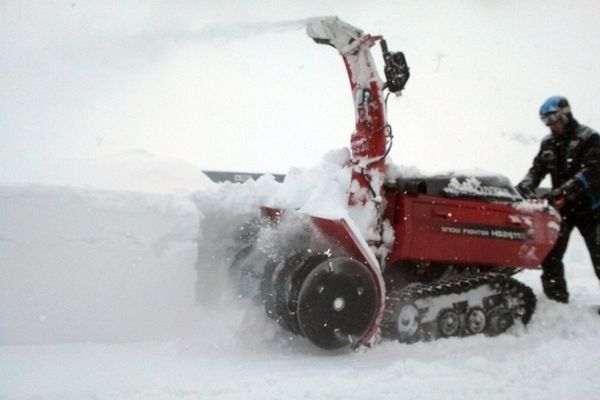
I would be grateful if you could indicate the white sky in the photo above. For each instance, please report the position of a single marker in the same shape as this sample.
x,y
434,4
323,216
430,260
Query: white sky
x,y
237,85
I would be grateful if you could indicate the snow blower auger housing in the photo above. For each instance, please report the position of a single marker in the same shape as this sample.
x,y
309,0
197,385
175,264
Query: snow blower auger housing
x,y
414,258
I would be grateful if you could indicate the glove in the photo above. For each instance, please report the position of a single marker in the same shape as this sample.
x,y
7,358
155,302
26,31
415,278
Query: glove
x,y
568,191
525,191
557,197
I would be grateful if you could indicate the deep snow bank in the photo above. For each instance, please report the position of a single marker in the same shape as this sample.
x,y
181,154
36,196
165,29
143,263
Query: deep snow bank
x,y
89,265
132,170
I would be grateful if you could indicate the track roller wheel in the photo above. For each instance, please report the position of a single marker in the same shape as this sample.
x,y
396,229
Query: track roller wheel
x,y
401,319
337,303
475,320
448,322
408,323
499,321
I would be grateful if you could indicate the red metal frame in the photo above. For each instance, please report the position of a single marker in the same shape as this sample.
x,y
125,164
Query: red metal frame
x,y
368,141
467,232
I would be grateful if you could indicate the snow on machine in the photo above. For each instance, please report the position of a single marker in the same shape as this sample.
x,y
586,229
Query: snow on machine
x,y
415,258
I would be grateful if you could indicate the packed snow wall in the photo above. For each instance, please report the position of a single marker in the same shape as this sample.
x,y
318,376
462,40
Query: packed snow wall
x,y
90,265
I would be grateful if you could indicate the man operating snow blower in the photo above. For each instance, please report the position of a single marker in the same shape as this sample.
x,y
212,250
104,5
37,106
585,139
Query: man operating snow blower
x,y
571,155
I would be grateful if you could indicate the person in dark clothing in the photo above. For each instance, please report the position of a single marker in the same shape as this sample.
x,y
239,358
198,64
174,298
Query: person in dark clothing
x,y
571,155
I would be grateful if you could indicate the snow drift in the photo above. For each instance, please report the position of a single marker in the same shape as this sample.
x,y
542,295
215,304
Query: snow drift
x,y
91,265
82,265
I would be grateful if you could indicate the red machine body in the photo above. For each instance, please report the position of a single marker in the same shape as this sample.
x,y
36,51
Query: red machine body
x,y
468,232
431,227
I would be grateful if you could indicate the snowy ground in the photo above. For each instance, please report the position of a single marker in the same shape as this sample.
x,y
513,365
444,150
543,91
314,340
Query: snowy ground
x,y
112,284
100,302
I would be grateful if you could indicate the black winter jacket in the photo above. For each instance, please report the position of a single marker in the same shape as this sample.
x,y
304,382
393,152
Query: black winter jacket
x,y
573,161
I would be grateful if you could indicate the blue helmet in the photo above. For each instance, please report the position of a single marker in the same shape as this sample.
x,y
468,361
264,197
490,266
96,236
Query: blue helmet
x,y
555,108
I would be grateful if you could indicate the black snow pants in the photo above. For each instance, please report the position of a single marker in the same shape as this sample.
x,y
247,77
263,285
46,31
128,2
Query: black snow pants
x,y
553,276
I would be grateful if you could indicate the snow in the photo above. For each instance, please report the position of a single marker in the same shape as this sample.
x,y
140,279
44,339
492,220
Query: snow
x,y
110,296
129,170
89,265
113,244
473,186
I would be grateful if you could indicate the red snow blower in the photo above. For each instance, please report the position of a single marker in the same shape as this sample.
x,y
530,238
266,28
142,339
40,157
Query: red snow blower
x,y
436,257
